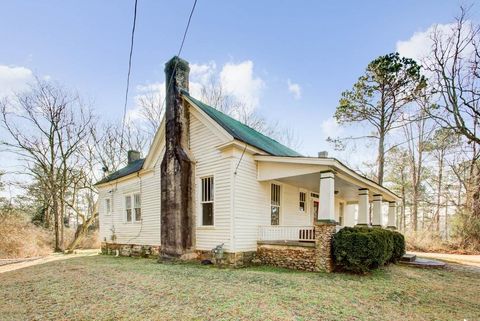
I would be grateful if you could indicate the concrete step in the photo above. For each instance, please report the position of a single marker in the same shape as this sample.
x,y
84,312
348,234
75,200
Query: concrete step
x,y
408,258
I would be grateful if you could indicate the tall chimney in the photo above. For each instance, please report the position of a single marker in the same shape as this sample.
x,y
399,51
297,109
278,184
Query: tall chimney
x,y
177,221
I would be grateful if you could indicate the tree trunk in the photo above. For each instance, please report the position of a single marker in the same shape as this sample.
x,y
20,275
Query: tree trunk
x,y
381,158
436,219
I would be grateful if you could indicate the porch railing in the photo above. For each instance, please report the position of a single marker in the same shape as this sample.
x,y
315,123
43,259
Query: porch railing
x,y
286,233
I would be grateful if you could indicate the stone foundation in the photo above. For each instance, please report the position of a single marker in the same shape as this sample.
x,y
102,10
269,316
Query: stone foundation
x,y
135,250
235,260
290,255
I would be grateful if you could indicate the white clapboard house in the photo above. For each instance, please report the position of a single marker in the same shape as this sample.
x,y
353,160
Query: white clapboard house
x,y
240,188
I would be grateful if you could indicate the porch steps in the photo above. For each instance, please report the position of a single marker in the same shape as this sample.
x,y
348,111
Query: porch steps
x,y
413,260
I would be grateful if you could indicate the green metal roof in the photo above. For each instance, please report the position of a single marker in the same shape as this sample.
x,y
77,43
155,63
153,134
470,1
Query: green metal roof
x,y
235,128
243,132
133,167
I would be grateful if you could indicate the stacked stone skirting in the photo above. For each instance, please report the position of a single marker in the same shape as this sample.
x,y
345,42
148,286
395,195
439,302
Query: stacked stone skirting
x,y
315,256
307,256
236,260
136,250
290,256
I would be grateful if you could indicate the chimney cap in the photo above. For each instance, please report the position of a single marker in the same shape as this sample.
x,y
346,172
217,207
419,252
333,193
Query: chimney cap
x,y
323,154
178,63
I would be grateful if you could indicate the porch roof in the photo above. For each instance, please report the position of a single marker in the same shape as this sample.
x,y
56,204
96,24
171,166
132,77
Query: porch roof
x,y
292,169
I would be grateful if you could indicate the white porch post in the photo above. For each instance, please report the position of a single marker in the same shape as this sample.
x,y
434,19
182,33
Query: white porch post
x,y
349,217
377,217
392,210
363,207
326,208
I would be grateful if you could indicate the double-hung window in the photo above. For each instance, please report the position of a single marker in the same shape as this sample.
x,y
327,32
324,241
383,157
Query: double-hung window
x,y
108,206
133,208
207,201
137,202
275,204
301,203
128,207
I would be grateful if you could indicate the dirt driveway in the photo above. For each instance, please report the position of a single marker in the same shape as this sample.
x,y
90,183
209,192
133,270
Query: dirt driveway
x,y
11,265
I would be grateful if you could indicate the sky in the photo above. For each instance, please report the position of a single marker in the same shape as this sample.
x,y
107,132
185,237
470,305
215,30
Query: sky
x,y
289,60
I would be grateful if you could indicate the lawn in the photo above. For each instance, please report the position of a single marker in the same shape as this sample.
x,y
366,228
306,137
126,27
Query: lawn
x,y
109,288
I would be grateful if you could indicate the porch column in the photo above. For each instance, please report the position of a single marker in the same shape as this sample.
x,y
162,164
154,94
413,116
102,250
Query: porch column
x,y
392,210
349,217
363,207
326,208
377,217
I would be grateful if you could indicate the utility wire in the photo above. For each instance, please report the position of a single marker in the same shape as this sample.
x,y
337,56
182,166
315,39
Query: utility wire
x,y
128,74
179,52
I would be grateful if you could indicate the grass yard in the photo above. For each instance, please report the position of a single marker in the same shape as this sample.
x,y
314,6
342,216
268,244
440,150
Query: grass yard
x,y
109,288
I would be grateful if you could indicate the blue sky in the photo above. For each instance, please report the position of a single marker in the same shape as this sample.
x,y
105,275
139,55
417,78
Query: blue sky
x,y
318,47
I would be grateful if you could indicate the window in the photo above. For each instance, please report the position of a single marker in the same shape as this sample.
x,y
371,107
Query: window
x,y
128,207
137,205
207,201
275,204
133,207
108,207
301,203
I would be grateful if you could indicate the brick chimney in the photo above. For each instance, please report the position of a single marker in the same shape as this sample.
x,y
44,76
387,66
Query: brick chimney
x,y
133,155
177,223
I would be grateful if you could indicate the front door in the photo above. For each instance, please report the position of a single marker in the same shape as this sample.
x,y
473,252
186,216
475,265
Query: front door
x,y
314,210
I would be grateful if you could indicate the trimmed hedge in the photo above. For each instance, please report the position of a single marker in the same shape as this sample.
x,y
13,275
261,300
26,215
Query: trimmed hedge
x,y
361,249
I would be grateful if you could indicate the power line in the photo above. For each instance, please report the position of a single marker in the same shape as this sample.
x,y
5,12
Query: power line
x,y
179,52
128,74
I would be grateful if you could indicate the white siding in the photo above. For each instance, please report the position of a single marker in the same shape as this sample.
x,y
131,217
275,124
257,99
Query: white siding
x,y
209,161
145,232
251,203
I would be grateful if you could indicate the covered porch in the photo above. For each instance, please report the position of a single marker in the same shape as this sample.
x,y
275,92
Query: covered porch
x,y
307,190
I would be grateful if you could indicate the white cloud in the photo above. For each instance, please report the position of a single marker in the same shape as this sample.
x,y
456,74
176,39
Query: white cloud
x,y
14,79
330,128
420,43
238,80
295,89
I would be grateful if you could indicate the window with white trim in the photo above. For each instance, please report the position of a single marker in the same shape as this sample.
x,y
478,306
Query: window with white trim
x,y
207,201
302,201
275,204
128,207
137,202
133,208
108,206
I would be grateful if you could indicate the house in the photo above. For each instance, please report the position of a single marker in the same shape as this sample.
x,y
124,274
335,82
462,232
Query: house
x,y
209,180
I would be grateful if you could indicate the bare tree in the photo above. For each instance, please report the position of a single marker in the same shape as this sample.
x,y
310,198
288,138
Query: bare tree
x,y
46,125
454,64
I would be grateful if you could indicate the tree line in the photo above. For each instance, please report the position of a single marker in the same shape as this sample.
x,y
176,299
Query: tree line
x,y
425,119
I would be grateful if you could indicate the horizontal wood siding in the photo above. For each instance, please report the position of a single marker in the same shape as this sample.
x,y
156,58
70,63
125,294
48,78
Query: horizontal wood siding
x,y
251,203
209,161
145,232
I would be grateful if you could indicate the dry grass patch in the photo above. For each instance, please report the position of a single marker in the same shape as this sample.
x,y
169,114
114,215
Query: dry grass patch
x,y
108,288
21,239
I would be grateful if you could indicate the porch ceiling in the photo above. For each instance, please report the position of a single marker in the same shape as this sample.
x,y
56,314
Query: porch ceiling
x,y
346,190
305,172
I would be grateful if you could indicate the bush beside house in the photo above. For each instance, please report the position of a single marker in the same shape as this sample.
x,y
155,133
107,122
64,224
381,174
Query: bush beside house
x,y
361,249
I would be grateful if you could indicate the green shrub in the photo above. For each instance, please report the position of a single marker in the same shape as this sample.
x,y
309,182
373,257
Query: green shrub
x,y
398,246
360,249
